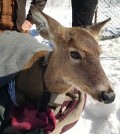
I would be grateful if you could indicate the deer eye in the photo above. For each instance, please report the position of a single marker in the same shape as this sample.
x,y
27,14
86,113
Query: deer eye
x,y
75,55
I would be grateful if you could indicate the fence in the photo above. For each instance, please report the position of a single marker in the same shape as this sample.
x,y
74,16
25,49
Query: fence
x,y
105,9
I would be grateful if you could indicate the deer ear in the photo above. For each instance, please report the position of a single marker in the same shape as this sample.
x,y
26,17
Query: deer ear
x,y
96,29
40,21
46,26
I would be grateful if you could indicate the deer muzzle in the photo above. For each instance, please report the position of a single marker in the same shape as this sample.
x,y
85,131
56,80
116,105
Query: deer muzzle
x,y
107,97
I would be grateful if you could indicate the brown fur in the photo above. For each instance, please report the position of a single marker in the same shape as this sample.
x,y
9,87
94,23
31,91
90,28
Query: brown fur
x,y
63,71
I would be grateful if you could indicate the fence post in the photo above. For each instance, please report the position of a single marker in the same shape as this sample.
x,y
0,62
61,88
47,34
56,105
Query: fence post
x,y
96,12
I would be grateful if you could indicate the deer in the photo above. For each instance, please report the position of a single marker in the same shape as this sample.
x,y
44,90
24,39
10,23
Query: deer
x,y
74,62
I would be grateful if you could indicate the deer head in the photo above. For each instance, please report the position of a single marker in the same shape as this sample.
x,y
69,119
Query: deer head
x,y
74,61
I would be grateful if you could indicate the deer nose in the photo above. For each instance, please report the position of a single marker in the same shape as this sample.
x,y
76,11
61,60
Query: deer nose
x,y
108,97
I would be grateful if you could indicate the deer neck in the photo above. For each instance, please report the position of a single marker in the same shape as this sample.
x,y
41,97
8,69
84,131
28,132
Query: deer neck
x,y
30,82
56,84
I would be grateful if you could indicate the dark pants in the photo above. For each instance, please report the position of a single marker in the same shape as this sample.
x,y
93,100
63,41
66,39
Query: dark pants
x,y
5,104
82,12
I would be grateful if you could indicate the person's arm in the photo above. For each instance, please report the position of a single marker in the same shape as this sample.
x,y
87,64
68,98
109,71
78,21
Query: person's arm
x,y
40,4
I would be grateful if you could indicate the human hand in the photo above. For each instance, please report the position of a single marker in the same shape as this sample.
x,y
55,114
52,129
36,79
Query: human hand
x,y
26,25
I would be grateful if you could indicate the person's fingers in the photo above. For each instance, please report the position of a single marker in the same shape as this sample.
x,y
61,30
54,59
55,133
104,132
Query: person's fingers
x,y
26,25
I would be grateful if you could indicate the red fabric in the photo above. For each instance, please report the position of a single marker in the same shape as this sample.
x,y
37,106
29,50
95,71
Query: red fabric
x,y
28,118
67,127
70,105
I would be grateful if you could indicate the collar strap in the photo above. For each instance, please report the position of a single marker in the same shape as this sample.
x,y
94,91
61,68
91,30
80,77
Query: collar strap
x,y
46,94
40,26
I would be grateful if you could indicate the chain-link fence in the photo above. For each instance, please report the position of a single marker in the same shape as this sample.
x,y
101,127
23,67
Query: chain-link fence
x,y
106,9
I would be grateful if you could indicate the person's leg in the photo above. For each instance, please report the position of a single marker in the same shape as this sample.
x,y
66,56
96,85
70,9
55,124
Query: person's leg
x,y
82,12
